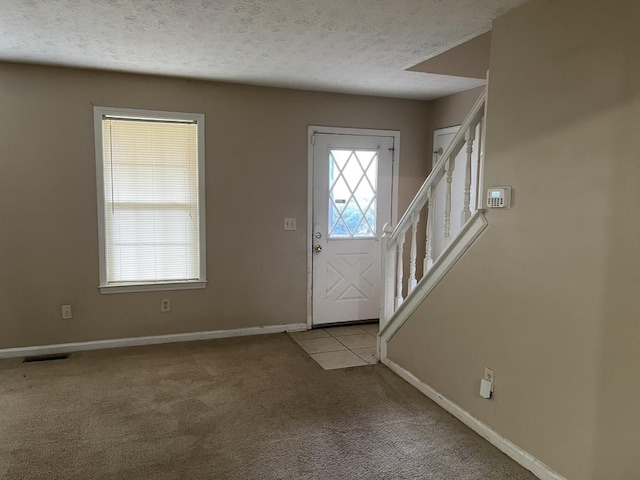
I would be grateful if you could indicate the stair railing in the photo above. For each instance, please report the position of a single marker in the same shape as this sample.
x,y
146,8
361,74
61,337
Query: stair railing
x,y
438,221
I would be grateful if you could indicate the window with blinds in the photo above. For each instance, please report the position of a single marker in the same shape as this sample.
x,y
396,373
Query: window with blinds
x,y
150,179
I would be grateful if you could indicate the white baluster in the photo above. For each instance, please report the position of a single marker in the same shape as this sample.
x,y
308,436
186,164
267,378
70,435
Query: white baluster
x,y
428,250
400,272
449,166
470,137
415,218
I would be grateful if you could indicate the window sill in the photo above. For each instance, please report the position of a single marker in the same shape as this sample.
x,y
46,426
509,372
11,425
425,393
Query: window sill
x,y
151,287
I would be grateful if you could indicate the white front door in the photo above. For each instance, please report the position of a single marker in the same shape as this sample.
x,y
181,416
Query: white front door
x,y
352,183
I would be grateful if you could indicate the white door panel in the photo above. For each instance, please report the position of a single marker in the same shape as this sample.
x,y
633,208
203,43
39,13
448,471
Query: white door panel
x,y
351,205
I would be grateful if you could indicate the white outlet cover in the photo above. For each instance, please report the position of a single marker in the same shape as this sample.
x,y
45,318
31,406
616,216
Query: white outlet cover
x,y
66,312
488,374
290,224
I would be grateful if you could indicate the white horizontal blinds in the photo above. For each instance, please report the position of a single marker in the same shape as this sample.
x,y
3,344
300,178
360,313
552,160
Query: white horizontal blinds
x,y
151,201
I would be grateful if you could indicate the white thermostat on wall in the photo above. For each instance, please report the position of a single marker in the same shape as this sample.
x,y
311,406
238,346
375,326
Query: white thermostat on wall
x,y
499,197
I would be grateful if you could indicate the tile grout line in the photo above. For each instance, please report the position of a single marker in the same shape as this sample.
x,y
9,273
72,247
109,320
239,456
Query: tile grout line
x,y
300,337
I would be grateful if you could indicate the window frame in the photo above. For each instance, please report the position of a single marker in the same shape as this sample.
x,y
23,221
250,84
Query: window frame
x,y
130,287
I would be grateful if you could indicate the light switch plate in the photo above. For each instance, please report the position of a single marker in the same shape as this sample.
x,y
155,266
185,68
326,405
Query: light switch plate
x,y
289,223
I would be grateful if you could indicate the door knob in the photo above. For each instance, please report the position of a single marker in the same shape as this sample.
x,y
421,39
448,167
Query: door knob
x,y
317,248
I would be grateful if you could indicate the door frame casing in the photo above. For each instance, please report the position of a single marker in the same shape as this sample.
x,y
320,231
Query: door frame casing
x,y
395,134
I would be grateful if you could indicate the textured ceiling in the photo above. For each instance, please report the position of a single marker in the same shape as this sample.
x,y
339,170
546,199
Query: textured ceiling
x,y
351,46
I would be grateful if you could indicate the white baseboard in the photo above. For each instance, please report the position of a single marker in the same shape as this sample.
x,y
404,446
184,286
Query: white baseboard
x,y
154,340
524,458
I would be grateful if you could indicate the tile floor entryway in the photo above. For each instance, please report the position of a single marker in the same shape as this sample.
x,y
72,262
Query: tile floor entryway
x,y
340,347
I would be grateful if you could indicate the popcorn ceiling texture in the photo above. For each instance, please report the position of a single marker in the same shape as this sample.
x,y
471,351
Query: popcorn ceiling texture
x,y
353,46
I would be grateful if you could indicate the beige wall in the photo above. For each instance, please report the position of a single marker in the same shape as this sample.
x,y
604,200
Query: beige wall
x,y
469,59
256,174
548,296
451,110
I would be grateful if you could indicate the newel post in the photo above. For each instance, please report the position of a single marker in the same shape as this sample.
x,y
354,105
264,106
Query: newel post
x,y
387,277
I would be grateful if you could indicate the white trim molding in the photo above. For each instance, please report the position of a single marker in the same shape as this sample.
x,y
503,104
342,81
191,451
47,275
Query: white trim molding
x,y
506,446
153,340
151,287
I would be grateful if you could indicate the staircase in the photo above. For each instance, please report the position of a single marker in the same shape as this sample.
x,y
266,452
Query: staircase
x,y
445,217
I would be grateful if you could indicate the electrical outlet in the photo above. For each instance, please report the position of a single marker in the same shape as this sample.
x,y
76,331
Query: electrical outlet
x,y
488,375
289,223
66,312
165,305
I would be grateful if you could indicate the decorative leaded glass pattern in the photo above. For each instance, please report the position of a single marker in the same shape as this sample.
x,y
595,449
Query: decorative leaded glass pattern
x,y
353,182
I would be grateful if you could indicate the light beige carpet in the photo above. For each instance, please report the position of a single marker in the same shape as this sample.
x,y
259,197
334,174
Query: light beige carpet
x,y
244,408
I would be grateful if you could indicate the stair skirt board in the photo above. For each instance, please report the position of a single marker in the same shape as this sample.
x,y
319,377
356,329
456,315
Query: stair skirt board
x,y
153,340
449,257
510,449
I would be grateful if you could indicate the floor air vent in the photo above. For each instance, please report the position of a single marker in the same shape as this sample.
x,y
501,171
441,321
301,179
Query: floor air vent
x,y
46,358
